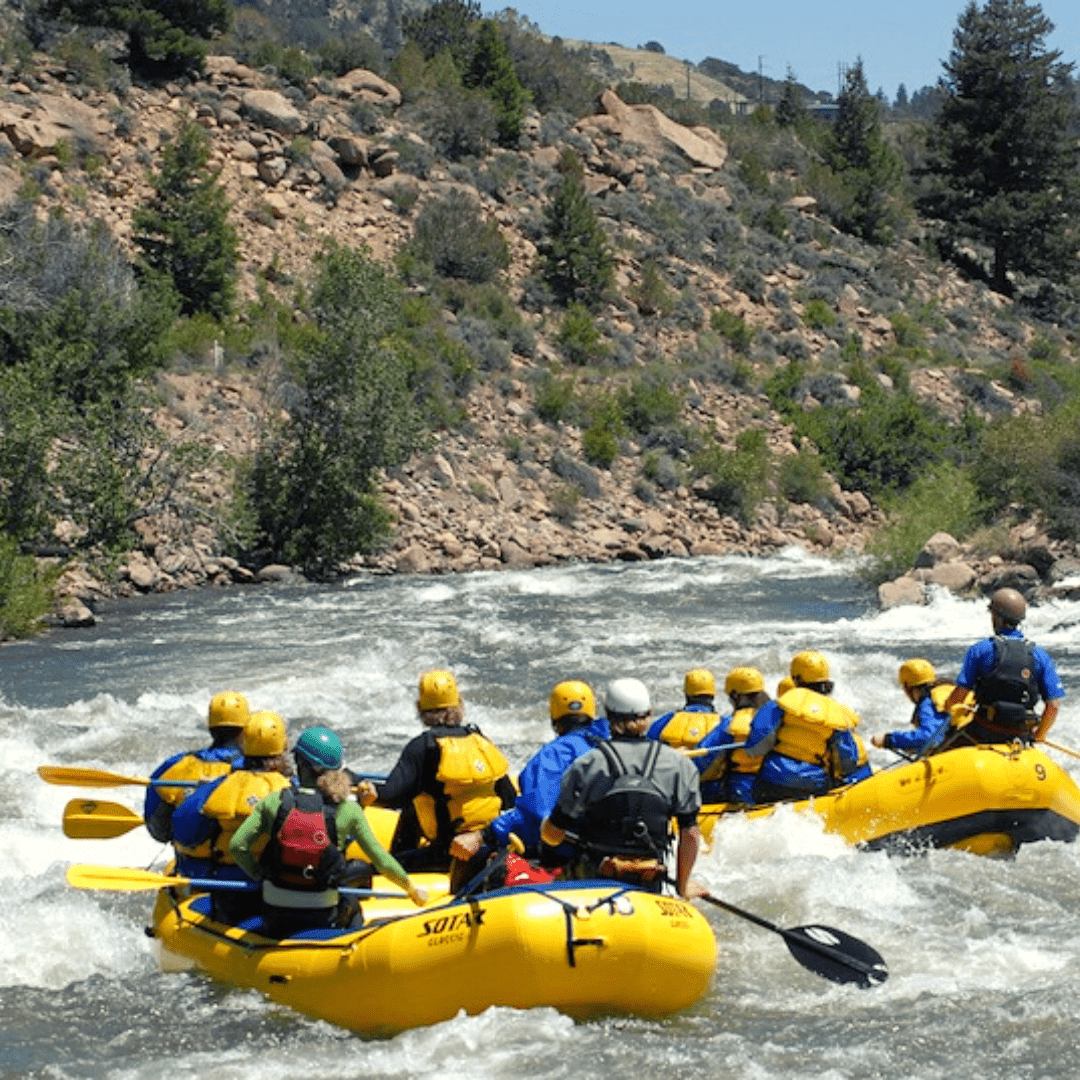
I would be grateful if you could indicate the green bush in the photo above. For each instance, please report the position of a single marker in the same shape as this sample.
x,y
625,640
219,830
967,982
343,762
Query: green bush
x,y
555,401
881,445
458,240
1033,462
945,499
309,494
606,425
649,403
580,339
25,592
733,329
818,315
801,478
651,294
738,479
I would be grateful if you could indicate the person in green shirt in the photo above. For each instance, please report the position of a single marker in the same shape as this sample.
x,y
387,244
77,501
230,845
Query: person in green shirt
x,y
294,839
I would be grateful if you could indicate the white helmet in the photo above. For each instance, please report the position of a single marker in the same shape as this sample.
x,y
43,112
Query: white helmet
x,y
627,697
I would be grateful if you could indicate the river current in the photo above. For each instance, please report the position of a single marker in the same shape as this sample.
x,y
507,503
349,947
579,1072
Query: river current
x,y
984,954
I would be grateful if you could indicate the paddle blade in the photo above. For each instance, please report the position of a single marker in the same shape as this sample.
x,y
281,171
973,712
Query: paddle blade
x,y
119,879
88,819
836,956
76,777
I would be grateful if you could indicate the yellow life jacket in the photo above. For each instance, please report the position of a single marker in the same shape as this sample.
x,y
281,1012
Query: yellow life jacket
x,y
741,761
189,767
229,804
735,760
469,767
940,693
810,719
686,729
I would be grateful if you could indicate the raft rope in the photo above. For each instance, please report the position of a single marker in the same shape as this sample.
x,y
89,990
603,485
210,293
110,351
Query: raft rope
x,y
570,912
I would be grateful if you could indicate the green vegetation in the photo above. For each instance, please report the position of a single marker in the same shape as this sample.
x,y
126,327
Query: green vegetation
x,y
1003,165
575,257
164,37
453,236
184,232
25,592
310,494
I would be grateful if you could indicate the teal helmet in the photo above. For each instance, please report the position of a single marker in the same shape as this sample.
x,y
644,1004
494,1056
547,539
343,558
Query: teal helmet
x,y
319,747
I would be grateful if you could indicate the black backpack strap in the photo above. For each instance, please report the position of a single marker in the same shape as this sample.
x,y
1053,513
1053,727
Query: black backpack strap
x,y
616,766
650,759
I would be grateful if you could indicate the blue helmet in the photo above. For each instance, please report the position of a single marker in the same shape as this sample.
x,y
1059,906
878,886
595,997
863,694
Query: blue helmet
x,y
319,747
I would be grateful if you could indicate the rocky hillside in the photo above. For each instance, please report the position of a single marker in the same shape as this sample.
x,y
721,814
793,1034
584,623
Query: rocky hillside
x,y
505,488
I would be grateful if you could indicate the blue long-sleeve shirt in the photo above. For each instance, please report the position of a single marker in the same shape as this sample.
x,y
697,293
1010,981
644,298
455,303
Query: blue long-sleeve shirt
x,y
980,658
541,781
931,724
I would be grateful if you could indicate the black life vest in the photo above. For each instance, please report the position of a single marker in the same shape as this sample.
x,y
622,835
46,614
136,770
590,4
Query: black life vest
x,y
632,817
302,853
1007,696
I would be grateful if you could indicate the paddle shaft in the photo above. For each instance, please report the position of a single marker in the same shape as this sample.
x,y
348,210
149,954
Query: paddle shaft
x,y
799,941
121,879
78,777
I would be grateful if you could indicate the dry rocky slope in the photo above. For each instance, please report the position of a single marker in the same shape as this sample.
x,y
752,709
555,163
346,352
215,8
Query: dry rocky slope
x,y
486,496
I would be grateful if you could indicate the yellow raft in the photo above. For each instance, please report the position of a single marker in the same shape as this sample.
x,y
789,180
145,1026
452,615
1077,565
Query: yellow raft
x,y
587,949
984,799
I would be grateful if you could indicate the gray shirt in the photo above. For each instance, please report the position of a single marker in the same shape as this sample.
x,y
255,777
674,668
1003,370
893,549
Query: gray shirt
x,y
589,778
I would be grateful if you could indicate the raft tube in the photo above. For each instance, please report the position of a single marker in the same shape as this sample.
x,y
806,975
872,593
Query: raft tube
x,y
588,949
985,799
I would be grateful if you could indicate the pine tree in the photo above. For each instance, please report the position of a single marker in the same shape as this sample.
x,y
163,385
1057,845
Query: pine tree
x,y
858,152
1002,166
575,259
164,36
791,108
184,232
492,70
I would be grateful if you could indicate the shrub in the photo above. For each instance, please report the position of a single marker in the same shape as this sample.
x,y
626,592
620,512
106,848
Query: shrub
x,y
801,478
944,499
651,294
738,479
459,123
580,338
25,592
310,490
455,237
606,425
818,315
554,399
565,502
649,403
733,329
882,445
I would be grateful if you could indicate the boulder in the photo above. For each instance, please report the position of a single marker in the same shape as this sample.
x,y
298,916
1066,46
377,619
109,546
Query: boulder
x,y
957,577
272,110
1020,576
903,591
941,547
647,127
367,86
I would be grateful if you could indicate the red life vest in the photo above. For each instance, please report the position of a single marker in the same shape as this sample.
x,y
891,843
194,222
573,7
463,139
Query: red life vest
x,y
303,852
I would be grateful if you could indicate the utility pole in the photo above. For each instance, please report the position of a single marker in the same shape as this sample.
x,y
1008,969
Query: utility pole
x,y
688,81
760,80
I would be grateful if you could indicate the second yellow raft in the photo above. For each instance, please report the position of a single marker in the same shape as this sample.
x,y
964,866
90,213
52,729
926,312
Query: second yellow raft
x,y
985,799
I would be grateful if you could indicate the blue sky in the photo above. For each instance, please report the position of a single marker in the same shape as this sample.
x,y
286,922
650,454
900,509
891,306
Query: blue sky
x,y
902,41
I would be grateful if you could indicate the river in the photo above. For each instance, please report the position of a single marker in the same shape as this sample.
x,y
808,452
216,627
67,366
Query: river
x,y
984,955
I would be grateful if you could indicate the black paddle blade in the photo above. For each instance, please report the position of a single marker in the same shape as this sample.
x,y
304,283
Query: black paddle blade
x,y
836,956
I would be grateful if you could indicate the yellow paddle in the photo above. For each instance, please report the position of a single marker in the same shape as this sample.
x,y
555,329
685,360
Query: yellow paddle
x,y
125,879
72,776
88,819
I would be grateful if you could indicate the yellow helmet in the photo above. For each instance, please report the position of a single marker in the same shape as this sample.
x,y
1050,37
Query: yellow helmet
x,y
264,735
699,683
438,690
809,667
573,699
784,685
916,673
744,680
227,709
